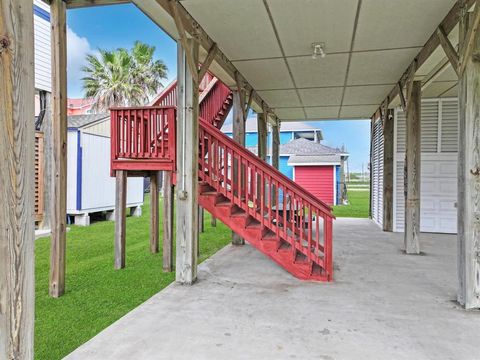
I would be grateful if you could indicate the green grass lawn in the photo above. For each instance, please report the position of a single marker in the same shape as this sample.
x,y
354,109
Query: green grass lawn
x,y
357,207
97,295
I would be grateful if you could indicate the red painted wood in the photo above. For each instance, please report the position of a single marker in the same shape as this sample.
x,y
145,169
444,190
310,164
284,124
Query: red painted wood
x,y
318,180
256,201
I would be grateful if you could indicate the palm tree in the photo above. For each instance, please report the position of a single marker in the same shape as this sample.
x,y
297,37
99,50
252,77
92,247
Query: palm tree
x,y
123,78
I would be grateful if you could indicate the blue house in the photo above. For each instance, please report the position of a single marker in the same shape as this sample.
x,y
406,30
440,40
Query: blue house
x,y
303,157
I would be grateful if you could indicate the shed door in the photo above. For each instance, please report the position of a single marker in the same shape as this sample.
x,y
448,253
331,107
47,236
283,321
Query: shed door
x,y
438,188
318,180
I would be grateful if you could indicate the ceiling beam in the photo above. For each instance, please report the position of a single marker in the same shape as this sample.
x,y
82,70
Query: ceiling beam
x,y
158,9
447,24
448,48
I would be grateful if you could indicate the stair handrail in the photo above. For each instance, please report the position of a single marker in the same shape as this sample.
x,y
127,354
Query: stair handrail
x,y
267,168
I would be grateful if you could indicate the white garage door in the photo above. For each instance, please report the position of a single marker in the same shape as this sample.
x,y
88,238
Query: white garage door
x,y
438,168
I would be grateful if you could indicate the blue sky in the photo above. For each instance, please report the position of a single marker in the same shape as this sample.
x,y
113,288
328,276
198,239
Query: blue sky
x,y
110,27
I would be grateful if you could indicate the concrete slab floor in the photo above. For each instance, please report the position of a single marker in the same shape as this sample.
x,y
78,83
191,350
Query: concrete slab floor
x,y
383,305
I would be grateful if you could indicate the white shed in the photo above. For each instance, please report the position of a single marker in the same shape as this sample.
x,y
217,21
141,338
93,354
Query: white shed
x,y
438,188
90,188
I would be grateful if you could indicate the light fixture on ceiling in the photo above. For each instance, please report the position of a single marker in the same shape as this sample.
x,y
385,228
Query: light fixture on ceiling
x,y
318,50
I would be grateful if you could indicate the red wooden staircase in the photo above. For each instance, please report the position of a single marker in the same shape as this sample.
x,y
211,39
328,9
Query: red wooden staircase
x,y
273,213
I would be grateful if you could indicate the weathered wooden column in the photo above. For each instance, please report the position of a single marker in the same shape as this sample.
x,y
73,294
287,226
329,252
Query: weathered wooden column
x,y
239,137
46,128
262,135
276,145
58,16
17,290
388,137
413,161
187,164
167,221
201,219
469,162
154,212
120,218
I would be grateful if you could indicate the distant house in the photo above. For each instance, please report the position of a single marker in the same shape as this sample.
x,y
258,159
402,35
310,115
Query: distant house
x,y
288,131
79,106
316,167
90,189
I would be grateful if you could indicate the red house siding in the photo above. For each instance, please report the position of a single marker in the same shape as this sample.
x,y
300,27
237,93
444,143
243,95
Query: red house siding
x,y
318,180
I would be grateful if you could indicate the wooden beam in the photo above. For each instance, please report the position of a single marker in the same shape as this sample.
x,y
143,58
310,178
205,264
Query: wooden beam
x,y
208,61
388,167
249,103
469,43
168,201
76,4
262,136
448,48
469,176
447,24
120,218
46,128
154,212
192,63
187,168
239,137
201,220
413,162
228,70
58,18
403,101
276,145
17,281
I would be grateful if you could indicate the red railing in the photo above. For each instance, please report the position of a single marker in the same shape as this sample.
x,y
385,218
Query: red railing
x,y
142,135
212,102
296,217
168,97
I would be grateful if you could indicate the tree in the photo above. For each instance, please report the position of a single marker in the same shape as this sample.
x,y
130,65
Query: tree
x,y
123,78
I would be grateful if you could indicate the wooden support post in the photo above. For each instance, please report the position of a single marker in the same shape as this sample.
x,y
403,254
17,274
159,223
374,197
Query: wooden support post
x,y
468,205
120,218
58,17
17,289
46,128
413,161
167,221
239,137
275,154
262,135
213,221
187,166
154,212
201,220
276,145
388,138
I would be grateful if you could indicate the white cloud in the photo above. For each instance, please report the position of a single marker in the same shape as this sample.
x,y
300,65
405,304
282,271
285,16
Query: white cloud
x,y
77,48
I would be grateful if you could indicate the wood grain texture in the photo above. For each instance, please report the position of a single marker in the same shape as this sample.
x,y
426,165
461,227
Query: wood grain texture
x,y
239,136
168,201
276,146
469,175
120,218
187,170
46,128
262,136
154,213
412,161
388,166
17,296
58,17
